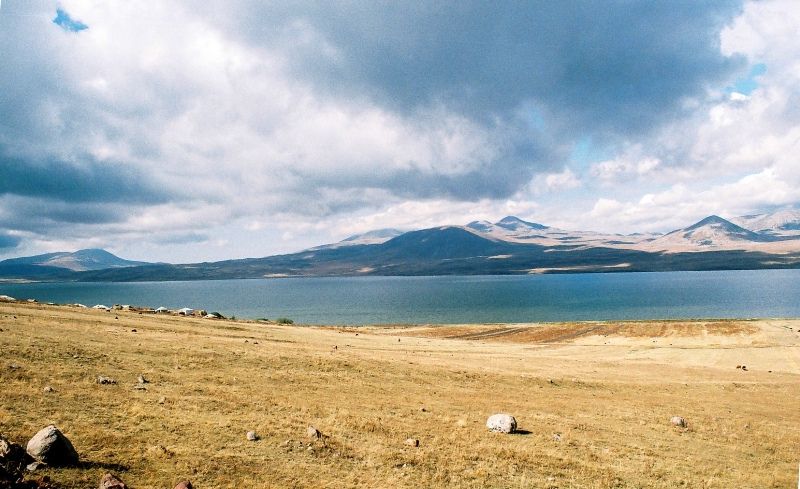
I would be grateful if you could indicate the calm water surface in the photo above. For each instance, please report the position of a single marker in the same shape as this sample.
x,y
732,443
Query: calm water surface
x,y
459,299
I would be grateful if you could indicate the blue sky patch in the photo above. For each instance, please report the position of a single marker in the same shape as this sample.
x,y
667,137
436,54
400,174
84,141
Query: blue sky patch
x,y
749,83
67,23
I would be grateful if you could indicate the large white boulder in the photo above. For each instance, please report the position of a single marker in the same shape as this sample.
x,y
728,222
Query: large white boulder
x,y
503,423
51,447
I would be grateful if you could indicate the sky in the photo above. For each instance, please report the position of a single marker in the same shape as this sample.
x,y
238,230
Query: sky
x,y
187,130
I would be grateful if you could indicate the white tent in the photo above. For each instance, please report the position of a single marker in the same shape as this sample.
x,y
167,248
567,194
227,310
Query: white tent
x,y
186,311
162,309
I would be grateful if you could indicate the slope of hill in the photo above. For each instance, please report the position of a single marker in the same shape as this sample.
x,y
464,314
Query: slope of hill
x,y
78,261
784,222
711,233
62,264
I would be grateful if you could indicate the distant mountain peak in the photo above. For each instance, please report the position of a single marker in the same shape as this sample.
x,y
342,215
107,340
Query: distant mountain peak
x,y
482,226
513,223
711,221
387,233
712,231
81,260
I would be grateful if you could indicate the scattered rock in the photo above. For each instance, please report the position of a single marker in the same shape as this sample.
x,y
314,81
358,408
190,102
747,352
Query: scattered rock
x,y
423,409
140,387
160,451
252,436
111,481
50,446
14,366
162,400
105,380
678,421
312,432
142,380
48,389
34,466
184,485
556,436
133,331
412,442
502,423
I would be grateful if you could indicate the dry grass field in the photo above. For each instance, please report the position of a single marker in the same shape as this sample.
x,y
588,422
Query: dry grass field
x,y
593,401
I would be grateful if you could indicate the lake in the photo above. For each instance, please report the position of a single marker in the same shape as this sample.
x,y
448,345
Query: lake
x,y
456,299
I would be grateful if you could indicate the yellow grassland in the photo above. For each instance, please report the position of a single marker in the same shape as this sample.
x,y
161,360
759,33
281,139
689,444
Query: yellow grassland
x,y
607,390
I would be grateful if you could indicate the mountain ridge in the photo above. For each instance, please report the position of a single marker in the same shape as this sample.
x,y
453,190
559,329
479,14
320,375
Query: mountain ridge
x,y
509,246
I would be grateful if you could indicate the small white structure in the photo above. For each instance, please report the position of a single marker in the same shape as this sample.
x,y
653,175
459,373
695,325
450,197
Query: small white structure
x,y
161,310
7,298
101,307
186,311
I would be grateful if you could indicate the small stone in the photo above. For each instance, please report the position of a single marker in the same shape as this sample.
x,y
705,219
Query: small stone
x,y
556,436
133,331
34,466
162,400
502,423
105,380
252,436
312,432
142,380
111,481
423,409
310,449
50,446
14,366
140,387
412,442
160,451
678,421
184,485
48,389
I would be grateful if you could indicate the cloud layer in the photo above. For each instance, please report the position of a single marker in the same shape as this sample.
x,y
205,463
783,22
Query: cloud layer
x,y
180,131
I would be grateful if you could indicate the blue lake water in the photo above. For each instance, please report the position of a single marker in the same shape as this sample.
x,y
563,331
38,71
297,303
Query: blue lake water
x,y
457,299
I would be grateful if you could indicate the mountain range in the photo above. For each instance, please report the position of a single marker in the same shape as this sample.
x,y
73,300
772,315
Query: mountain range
x,y
508,246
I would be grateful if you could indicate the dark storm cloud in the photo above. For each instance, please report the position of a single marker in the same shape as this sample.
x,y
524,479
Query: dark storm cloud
x,y
607,67
8,242
85,181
